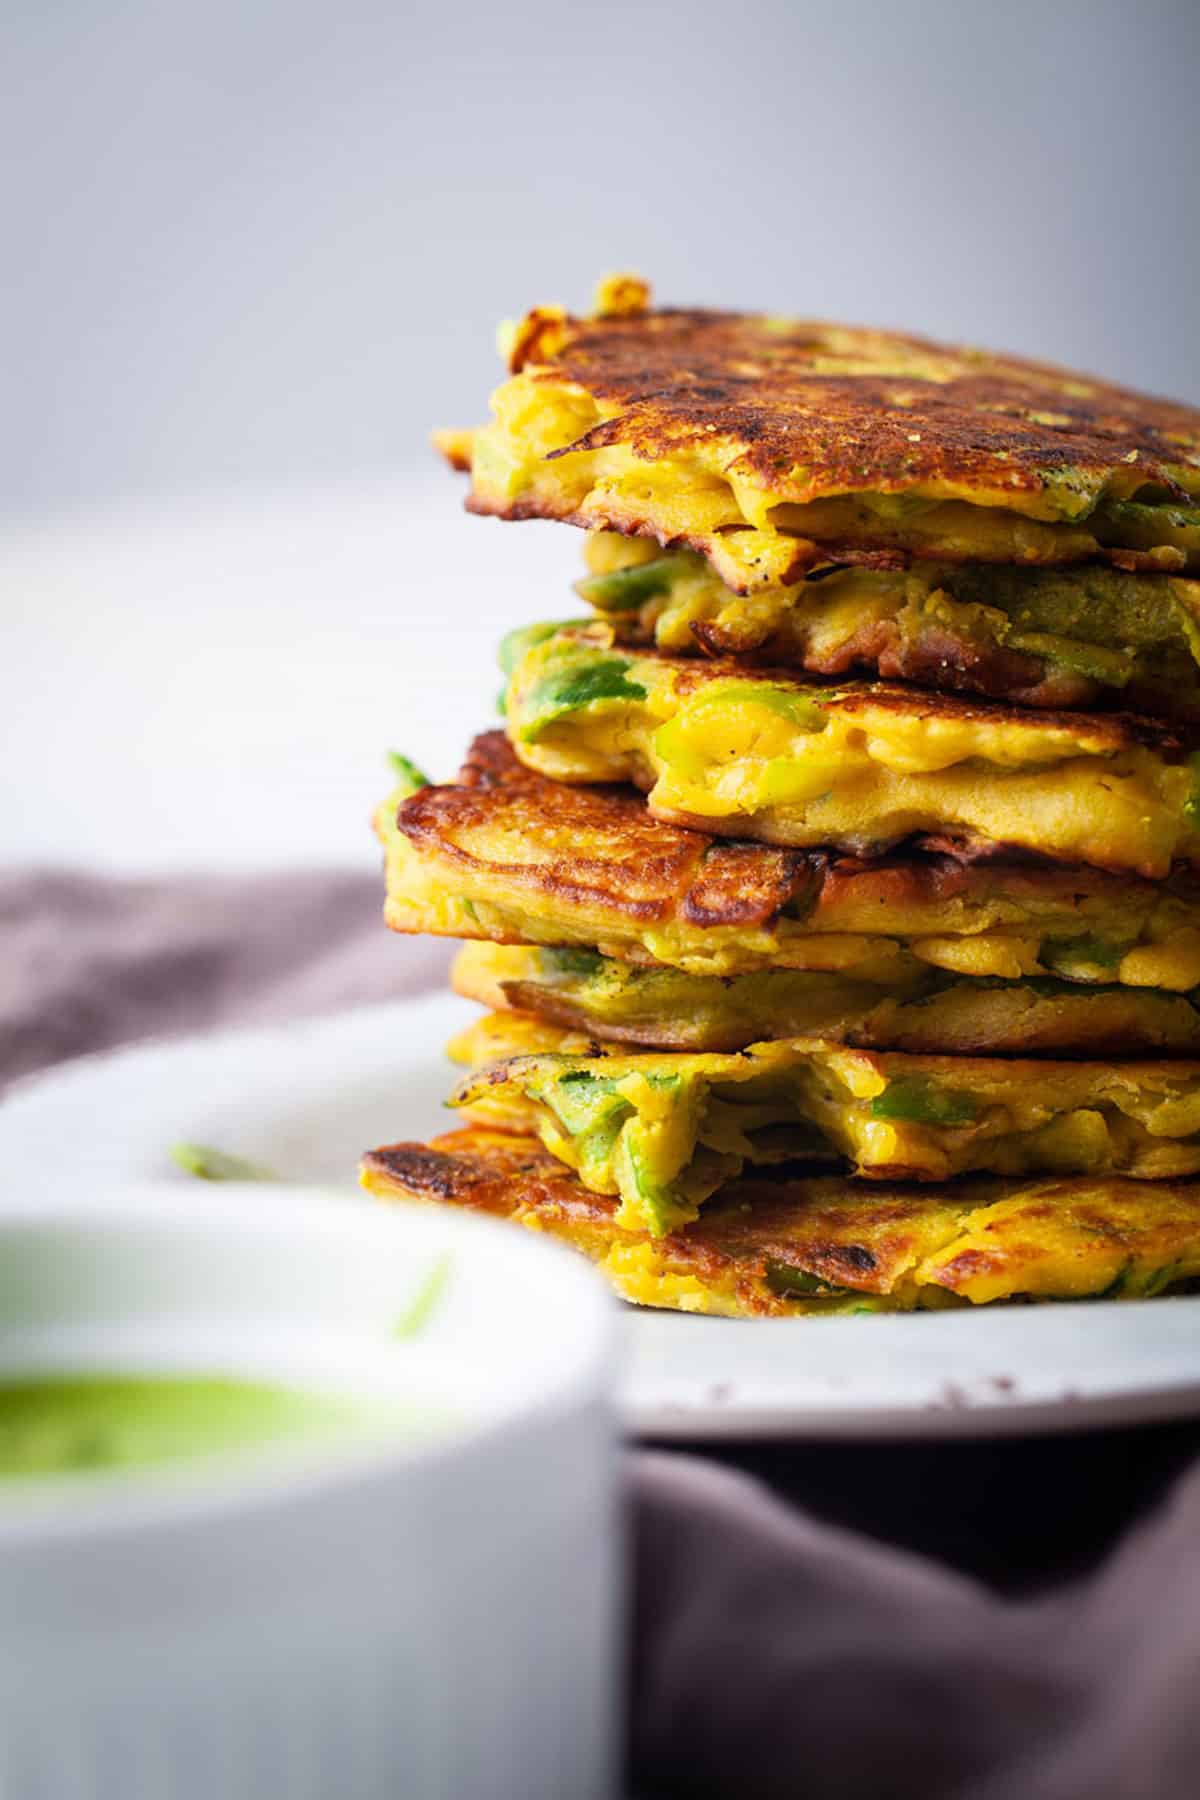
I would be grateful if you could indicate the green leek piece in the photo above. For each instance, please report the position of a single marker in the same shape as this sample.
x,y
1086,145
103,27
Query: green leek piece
x,y
622,590
409,778
208,1164
918,1101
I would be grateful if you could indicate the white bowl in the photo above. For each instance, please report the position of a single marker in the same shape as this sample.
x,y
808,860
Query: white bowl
x,y
365,1617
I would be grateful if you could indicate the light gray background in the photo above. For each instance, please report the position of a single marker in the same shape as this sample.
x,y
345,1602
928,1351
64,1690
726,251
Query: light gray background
x,y
255,242
254,249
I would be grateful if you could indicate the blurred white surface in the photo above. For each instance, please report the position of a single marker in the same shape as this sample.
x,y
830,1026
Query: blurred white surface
x,y
216,685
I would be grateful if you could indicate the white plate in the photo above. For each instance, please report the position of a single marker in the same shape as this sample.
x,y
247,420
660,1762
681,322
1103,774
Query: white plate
x,y
307,1099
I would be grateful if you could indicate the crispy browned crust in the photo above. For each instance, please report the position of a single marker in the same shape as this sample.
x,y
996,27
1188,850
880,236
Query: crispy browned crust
x,y
629,523
807,555
455,453
480,1169
944,659
853,1236
953,415
599,843
752,1220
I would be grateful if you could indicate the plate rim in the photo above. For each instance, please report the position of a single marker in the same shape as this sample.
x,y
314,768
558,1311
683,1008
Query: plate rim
x,y
650,1417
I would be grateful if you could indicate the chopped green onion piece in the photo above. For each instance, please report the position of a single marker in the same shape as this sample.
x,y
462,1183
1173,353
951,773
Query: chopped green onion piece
x,y
516,645
789,1282
425,1300
208,1164
578,685
567,959
1086,951
409,778
798,709
919,1101
623,589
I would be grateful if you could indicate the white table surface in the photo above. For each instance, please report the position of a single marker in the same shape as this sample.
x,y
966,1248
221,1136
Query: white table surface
x,y
215,684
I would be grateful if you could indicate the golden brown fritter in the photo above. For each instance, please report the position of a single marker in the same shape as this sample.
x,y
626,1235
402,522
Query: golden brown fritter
x,y
923,1009
772,444
858,768
772,1247
508,856
666,1130
1087,636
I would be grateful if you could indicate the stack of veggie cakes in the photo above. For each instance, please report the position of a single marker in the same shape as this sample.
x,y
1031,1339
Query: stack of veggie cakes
x,y
834,887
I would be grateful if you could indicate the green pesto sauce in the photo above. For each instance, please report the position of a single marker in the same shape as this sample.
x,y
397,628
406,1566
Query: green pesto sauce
x,y
97,1424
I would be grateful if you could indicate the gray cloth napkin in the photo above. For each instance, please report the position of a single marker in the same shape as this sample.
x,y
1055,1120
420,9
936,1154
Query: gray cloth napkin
x,y
776,1657
772,1655
89,963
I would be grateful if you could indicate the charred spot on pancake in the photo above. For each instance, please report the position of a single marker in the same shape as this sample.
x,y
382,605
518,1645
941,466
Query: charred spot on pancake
x,y
746,884
773,390
855,1257
419,1169
486,1170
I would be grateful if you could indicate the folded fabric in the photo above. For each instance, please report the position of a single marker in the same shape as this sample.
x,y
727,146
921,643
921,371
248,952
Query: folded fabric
x,y
89,963
775,1658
